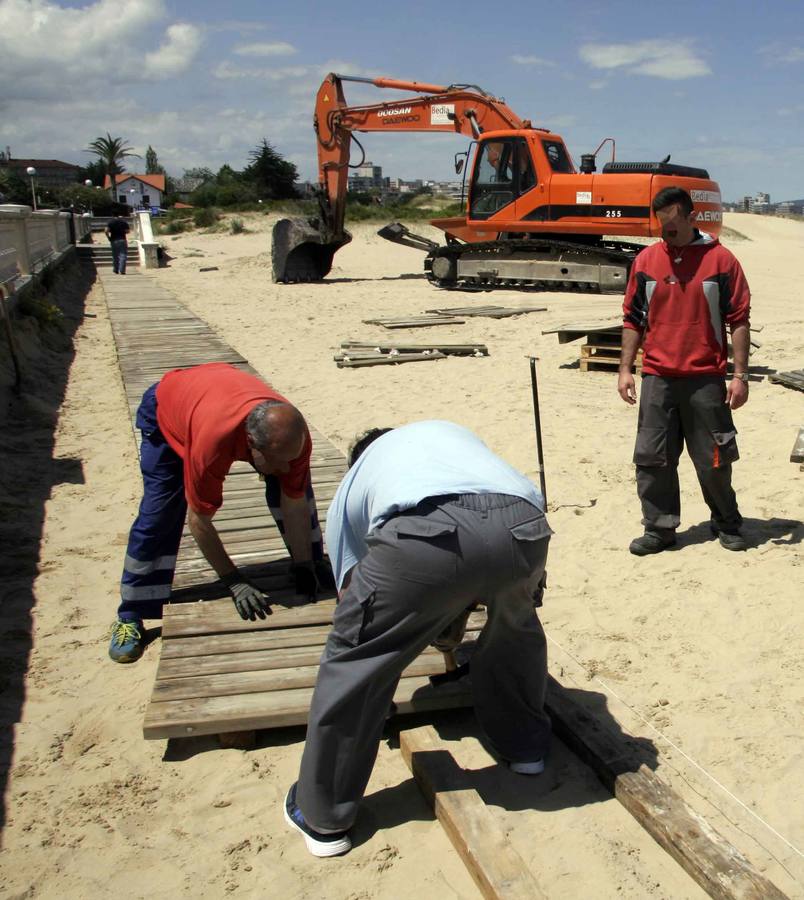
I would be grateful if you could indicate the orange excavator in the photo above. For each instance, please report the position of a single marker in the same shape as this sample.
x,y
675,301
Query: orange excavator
x,y
531,220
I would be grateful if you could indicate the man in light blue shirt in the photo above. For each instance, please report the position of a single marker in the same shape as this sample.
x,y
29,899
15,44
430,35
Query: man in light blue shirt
x,y
426,522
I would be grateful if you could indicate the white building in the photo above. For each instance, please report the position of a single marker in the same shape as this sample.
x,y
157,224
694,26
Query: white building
x,y
138,191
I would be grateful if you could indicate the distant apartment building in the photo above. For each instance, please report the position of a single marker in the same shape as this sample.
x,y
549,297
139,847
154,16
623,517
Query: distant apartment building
x,y
51,174
759,203
790,207
366,177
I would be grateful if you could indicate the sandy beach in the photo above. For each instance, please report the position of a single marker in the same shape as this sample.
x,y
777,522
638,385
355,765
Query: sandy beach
x,y
697,651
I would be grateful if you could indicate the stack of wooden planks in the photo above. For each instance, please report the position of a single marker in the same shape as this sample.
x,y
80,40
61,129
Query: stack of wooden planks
x,y
354,354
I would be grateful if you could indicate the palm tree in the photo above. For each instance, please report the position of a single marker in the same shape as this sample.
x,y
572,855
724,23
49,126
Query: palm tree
x,y
111,152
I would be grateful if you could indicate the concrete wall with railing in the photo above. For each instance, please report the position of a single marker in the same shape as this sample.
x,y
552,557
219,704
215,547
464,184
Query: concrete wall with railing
x,y
31,241
146,245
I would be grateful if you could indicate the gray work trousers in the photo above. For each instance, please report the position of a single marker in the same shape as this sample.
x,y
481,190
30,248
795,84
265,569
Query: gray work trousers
x,y
422,569
672,412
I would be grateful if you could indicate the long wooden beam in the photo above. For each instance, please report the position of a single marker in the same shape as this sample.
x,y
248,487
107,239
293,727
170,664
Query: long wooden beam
x,y
496,868
715,864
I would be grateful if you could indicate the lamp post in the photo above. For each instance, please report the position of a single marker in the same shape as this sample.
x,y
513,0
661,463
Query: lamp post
x,y
88,184
31,172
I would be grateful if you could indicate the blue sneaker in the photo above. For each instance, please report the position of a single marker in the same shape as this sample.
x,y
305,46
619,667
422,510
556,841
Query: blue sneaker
x,y
127,642
318,844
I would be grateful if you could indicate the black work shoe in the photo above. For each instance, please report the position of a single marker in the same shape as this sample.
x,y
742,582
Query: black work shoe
x,y
319,844
731,540
652,542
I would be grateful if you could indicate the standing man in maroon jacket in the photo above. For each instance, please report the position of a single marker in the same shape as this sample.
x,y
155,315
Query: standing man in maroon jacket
x,y
682,293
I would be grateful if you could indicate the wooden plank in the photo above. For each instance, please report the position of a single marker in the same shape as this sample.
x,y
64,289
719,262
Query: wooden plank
x,y
454,349
715,864
307,653
386,359
278,709
190,648
228,684
602,363
788,379
493,312
220,617
797,453
413,321
496,868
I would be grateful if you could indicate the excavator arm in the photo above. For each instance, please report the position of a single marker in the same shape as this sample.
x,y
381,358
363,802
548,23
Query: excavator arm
x,y
303,250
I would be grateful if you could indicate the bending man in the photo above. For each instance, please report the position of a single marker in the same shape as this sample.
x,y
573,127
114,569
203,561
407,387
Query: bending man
x,y
195,424
426,522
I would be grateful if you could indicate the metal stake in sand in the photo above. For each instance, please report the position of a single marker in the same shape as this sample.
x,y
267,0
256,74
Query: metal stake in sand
x,y
538,425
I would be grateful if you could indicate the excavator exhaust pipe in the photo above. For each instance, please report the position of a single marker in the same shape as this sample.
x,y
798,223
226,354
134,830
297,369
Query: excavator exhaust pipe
x,y
303,251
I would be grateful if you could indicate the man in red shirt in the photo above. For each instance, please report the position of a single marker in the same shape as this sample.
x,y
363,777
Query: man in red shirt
x,y
195,424
682,293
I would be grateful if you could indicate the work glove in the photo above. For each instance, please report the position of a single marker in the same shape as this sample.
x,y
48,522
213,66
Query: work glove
x,y
249,600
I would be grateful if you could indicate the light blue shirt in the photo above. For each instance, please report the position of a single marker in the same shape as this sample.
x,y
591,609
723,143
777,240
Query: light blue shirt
x,y
404,467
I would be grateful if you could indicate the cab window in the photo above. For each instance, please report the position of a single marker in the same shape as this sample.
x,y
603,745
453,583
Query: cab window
x,y
558,157
504,170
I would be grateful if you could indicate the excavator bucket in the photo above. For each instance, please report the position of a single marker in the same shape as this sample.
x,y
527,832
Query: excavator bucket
x,y
303,251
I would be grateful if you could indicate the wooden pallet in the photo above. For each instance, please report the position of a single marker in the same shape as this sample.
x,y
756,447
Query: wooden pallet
x,y
491,312
794,379
413,321
220,674
354,355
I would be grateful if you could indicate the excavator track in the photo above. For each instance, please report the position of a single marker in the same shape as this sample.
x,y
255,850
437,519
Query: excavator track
x,y
532,264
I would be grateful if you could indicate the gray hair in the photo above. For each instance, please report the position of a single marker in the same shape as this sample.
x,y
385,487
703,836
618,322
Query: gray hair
x,y
257,425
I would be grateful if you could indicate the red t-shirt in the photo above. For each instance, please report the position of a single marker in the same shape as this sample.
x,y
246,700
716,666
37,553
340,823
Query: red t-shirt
x,y
683,307
202,412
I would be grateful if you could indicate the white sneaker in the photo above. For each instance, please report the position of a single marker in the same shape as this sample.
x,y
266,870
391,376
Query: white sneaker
x,y
527,768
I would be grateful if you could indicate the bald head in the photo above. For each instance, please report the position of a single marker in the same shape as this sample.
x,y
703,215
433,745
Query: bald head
x,y
276,433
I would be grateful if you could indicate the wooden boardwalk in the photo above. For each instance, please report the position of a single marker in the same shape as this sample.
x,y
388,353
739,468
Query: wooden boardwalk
x,y
218,673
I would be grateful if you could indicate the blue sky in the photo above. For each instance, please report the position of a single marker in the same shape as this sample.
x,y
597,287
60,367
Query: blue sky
x,y
715,84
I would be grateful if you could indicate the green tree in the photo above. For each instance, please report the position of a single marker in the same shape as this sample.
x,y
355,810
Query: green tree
x,y
200,172
152,166
111,152
271,175
13,188
94,171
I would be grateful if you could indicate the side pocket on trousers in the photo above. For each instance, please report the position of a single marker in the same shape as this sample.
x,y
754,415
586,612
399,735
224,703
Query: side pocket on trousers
x,y
352,614
724,449
529,542
651,447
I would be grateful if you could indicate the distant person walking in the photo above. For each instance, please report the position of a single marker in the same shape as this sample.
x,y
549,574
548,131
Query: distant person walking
x,y
682,294
117,230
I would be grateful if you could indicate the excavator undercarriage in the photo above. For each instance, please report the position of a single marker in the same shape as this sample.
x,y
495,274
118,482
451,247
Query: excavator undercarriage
x,y
535,263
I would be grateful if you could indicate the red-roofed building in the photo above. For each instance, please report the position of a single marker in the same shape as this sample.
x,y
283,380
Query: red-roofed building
x,y
138,191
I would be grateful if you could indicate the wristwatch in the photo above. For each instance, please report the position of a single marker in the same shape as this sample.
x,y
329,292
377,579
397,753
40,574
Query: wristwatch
x,y
742,376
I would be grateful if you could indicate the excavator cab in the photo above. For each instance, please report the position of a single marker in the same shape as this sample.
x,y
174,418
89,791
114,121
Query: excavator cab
x,y
503,171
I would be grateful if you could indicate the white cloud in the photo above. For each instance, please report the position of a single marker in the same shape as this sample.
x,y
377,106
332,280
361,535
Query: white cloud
x,y
531,61
266,48
672,60
780,52
226,71
176,53
47,49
